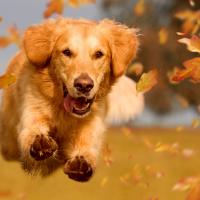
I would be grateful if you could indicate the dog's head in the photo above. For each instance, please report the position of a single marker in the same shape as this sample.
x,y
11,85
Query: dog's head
x,y
85,56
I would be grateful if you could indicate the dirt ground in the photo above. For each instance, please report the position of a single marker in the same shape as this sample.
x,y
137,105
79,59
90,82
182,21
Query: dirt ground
x,y
136,164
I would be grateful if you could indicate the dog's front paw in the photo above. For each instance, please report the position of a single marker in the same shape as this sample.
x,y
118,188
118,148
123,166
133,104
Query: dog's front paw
x,y
43,147
78,169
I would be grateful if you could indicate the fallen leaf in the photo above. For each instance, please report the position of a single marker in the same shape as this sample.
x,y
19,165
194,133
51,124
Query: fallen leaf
x,y
186,183
195,123
194,193
188,153
6,80
139,8
54,6
147,81
104,181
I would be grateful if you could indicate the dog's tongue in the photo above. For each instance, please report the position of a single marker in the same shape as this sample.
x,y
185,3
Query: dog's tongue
x,y
70,103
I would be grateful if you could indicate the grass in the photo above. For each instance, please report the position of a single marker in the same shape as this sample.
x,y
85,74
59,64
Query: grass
x,y
131,176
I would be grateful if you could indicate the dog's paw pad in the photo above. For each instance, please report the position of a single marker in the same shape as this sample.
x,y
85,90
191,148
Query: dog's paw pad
x,y
43,147
78,169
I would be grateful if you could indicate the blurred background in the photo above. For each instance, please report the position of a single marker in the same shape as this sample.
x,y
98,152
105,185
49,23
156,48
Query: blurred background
x,y
155,157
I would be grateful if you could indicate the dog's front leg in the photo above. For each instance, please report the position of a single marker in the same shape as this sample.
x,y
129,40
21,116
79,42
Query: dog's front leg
x,y
34,137
84,151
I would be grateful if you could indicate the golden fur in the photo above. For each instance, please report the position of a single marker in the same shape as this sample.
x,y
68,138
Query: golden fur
x,y
32,114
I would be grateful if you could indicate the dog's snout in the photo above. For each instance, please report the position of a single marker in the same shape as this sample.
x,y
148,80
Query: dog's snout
x,y
83,83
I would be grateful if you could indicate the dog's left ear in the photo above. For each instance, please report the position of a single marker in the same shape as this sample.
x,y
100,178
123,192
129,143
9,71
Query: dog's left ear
x,y
39,41
123,43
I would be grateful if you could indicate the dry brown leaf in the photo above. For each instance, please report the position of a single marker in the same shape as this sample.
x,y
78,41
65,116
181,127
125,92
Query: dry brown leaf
x,y
54,6
147,81
139,8
6,80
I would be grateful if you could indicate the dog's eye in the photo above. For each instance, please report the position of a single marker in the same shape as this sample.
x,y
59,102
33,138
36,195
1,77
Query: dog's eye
x,y
98,54
67,52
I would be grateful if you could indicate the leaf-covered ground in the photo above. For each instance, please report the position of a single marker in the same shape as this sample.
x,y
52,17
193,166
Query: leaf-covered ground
x,y
140,164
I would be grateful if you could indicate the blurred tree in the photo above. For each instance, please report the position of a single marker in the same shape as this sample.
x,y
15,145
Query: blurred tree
x,y
158,16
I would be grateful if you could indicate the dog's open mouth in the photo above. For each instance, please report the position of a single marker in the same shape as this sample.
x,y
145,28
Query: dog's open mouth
x,y
79,106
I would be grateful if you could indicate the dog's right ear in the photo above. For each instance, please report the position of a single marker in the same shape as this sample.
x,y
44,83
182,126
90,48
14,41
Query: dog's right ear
x,y
39,41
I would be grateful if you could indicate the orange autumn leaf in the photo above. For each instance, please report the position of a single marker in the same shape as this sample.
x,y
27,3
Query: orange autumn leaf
x,y
13,37
139,8
193,44
135,68
190,20
194,193
163,36
77,3
4,41
147,81
6,80
191,70
186,183
54,6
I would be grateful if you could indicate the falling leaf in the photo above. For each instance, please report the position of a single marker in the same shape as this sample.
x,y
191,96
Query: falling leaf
x,y
182,101
6,80
4,41
192,3
77,3
147,81
15,35
190,20
193,44
163,36
139,8
191,70
54,6
136,68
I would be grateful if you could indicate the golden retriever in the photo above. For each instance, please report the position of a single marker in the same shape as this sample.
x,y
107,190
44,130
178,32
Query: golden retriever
x,y
56,112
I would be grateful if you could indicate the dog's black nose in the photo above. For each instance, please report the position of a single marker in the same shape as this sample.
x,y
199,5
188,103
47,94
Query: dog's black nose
x,y
83,83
